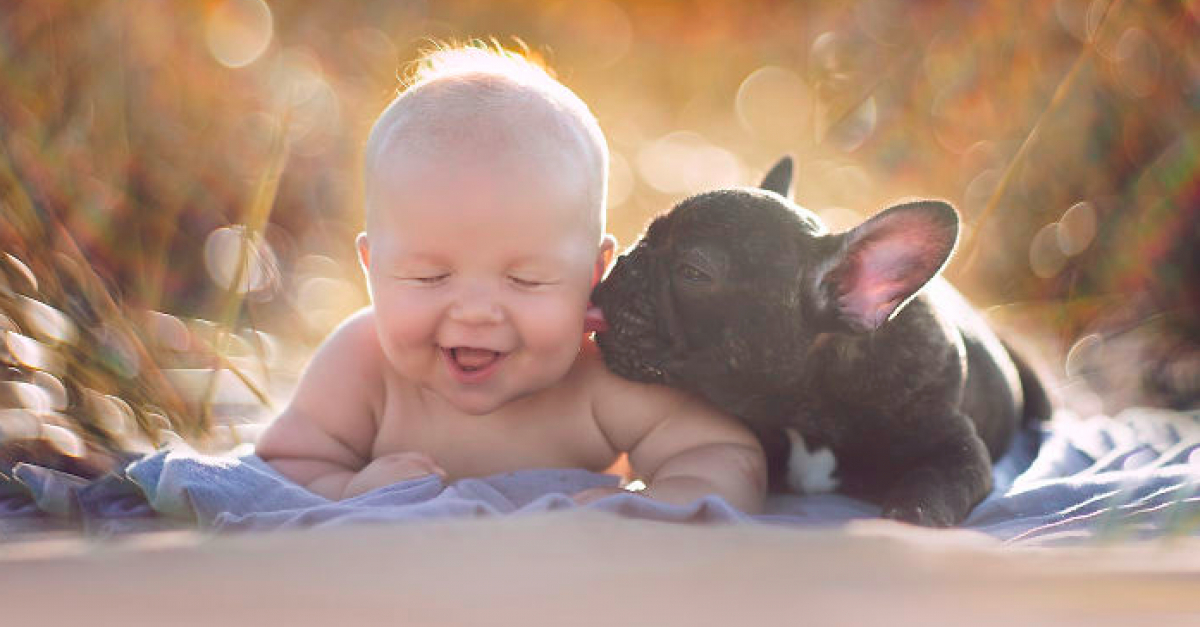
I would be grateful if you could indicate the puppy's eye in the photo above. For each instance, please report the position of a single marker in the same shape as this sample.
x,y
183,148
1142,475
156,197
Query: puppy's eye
x,y
689,272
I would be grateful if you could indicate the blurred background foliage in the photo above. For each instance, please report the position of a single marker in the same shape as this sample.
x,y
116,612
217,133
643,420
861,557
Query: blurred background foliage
x,y
180,181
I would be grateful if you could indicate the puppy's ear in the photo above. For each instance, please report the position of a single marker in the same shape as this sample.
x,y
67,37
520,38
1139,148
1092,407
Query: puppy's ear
x,y
779,179
883,262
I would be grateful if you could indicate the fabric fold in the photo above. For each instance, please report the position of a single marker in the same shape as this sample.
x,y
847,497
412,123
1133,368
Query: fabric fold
x,y
1135,476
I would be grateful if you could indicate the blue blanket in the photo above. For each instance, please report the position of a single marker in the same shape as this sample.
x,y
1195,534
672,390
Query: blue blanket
x,y
1133,476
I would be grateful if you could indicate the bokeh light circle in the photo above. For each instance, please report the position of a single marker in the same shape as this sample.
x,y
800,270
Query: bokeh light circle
x,y
238,31
313,108
63,440
1046,259
1137,62
856,127
325,301
829,57
1084,355
979,191
684,162
620,179
775,105
223,251
1076,228
21,395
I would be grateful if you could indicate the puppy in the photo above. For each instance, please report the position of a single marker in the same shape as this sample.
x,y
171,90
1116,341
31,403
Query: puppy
x,y
845,353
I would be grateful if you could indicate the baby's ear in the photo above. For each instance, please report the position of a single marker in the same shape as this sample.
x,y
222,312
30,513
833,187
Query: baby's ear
x,y
779,178
364,251
608,246
883,262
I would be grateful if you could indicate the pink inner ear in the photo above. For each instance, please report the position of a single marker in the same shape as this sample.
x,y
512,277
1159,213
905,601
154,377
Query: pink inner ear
x,y
886,264
872,290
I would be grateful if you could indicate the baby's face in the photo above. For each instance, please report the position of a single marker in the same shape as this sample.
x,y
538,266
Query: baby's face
x,y
480,273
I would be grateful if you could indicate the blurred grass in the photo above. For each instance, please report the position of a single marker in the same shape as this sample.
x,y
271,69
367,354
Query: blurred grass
x,y
201,160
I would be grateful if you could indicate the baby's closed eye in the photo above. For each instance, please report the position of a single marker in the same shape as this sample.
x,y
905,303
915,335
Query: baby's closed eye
x,y
429,280
530,282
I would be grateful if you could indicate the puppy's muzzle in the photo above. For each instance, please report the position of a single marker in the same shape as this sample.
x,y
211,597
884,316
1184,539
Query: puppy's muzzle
x,y
636,301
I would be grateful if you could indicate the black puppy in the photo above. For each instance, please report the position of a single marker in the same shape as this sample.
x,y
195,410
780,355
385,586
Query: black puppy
x,y
825,344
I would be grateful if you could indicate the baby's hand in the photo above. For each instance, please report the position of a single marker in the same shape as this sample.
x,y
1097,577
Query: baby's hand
x,y
389,469
584,497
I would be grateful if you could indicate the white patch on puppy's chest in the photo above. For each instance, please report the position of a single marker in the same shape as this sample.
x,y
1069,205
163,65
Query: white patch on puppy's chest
x,y
810,472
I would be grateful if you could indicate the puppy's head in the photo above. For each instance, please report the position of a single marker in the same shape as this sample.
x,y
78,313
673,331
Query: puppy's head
x,y
725,293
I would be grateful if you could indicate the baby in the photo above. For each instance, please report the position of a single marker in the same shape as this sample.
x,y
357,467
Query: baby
x,y
485,192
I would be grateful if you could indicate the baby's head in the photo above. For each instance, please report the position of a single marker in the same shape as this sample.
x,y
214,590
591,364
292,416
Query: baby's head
x,y
485,190
491,106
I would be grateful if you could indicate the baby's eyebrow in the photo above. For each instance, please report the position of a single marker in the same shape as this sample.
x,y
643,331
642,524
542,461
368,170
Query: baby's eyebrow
x,y
402,256
559,255
546,260
536,258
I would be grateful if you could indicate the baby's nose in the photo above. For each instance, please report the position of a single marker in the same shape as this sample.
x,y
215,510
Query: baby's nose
x,y
476,305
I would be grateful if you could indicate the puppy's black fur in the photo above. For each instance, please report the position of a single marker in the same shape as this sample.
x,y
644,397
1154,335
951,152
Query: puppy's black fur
x,y
743,297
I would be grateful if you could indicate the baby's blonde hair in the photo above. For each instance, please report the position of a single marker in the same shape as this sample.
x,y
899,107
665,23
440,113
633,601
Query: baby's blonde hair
x,y
452,83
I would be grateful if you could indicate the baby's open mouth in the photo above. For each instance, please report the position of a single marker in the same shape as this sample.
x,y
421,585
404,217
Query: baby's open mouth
x,y
472,359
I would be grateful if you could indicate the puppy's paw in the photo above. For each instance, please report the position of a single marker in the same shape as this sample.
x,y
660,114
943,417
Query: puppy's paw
x,y
922,499
923,514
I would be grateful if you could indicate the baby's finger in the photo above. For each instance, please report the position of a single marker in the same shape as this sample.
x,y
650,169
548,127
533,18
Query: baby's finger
x,y
427,465
594,494
438,470
413,466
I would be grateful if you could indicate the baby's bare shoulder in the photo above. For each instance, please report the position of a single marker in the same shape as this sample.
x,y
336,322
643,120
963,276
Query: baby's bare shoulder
x,y
629,411
351,351
333,411
358,330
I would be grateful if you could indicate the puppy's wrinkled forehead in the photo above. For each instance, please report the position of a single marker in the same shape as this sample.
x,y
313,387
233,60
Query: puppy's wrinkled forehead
x,y
749,222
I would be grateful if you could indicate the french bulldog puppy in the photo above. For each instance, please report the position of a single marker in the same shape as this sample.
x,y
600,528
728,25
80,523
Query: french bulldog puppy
x,y
859,368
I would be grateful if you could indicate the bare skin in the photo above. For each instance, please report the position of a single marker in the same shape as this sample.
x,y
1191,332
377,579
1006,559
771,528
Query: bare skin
x,y
483,244
353,427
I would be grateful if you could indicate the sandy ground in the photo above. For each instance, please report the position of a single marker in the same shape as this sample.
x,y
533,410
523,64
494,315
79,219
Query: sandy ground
x,y
587,568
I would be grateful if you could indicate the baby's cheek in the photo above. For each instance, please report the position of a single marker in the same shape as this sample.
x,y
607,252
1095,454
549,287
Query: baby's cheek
x,y
555,324
404,322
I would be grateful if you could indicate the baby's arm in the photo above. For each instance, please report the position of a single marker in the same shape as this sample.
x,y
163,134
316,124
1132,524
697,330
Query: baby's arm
x,y
323,439
682,447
